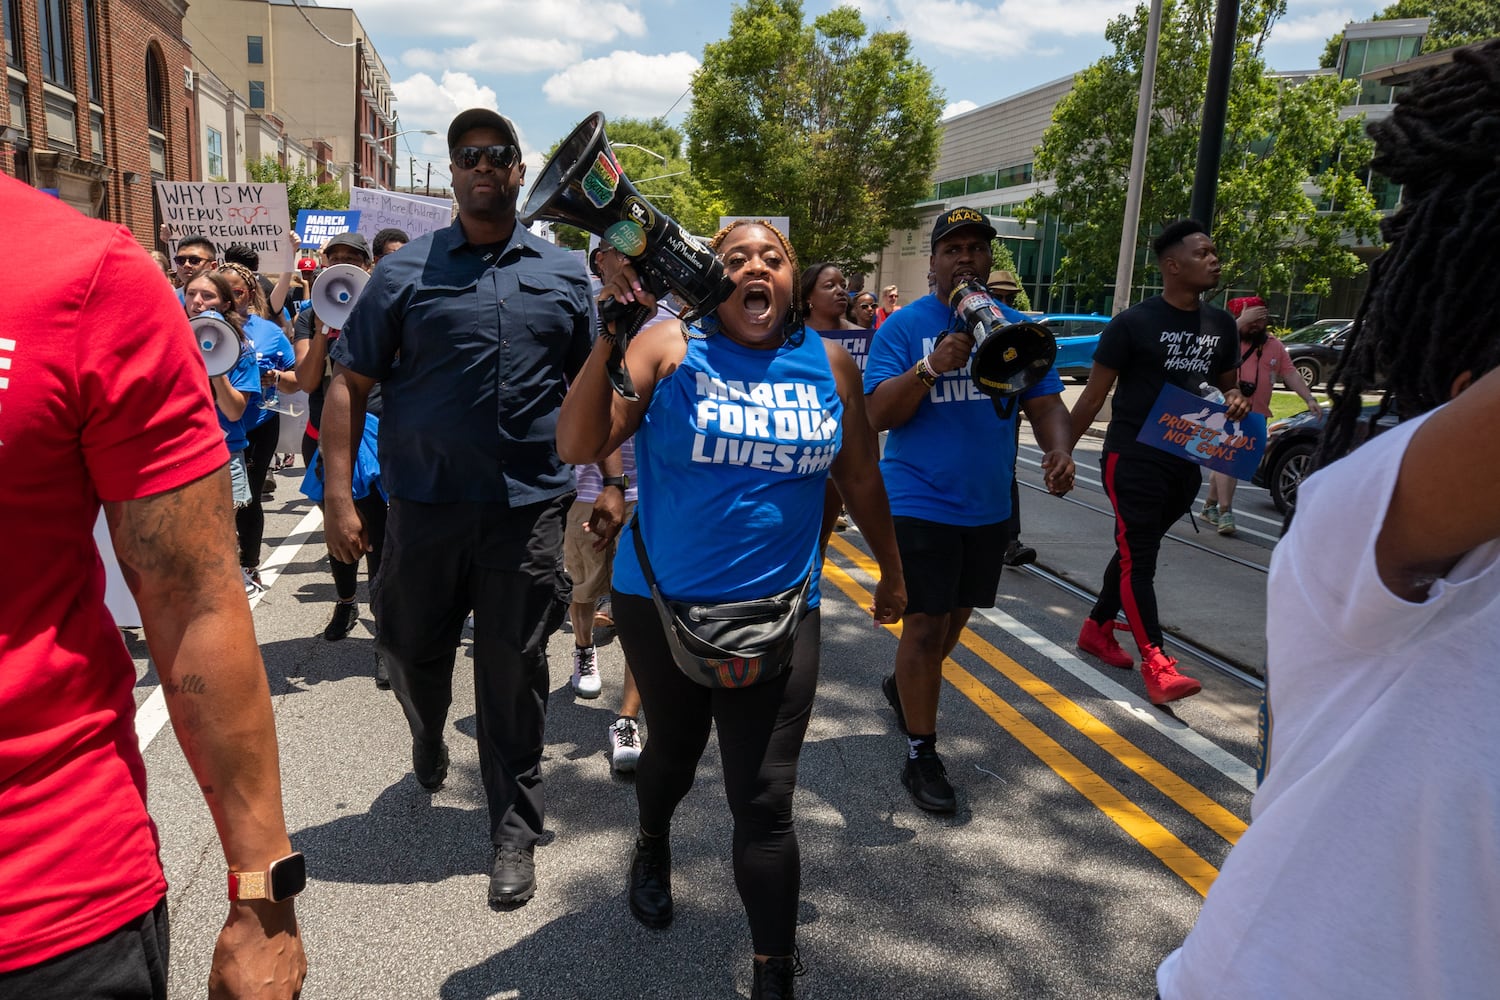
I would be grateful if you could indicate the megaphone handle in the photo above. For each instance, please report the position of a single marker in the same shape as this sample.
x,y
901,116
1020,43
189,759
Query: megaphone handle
x,y
627,320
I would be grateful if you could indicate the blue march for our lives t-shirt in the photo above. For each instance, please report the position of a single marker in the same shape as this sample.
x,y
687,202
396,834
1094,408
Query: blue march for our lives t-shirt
x,y
952,461
733,455
269,339
245,376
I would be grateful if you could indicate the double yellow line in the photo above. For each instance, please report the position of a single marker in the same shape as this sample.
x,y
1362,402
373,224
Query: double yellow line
x,y
1129,817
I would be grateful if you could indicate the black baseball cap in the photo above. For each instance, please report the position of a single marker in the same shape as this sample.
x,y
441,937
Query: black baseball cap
x,y
958,218
355,241
481,118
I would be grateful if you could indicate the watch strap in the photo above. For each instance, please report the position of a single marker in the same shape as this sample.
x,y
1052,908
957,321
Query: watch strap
x,y
623,482
247,885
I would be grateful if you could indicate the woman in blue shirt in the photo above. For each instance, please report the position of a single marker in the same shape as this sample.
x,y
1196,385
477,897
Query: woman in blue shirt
x,y
236,392
276,360
738,425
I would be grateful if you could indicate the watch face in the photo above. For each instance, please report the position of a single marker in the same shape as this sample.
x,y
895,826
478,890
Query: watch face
x,y
288,877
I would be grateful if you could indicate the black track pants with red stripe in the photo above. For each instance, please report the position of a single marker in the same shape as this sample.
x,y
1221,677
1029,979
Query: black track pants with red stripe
x,y
1148,496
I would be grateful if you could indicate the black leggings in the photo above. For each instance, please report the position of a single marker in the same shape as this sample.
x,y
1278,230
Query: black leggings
x,y
760,737
373,510
1148,497
250,520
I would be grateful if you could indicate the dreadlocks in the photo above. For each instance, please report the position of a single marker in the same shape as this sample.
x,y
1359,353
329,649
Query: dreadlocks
x,y
1430,313
793,324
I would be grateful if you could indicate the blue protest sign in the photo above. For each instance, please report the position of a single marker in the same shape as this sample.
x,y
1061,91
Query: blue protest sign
x,y
1182,424
317,226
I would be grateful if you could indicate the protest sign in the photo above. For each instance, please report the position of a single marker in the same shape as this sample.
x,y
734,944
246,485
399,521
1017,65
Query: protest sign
x,y
1185,425
411,213
254,215
317,226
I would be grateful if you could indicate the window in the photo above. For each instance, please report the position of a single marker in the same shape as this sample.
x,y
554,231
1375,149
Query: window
x,y
91,51
156,115
215,153
10,13
96,135
255,46
55,38
951,189
258,95
1011,176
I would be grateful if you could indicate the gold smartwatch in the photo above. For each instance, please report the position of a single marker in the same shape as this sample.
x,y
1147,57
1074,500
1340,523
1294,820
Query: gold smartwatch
x,y
282,879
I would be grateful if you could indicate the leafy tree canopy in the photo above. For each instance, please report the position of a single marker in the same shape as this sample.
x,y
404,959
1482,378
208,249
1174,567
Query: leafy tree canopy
x,y
834,128
1454,23
1286,152
302,189
666,179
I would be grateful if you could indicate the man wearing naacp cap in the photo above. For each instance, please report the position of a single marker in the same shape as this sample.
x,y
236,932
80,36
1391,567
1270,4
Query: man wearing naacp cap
x,y
948,469
488,322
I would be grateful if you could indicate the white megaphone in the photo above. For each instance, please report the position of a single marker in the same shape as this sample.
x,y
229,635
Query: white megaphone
x,y
218,342
336,291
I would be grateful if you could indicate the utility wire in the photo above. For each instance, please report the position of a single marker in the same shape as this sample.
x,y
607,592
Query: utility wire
x,y
330,41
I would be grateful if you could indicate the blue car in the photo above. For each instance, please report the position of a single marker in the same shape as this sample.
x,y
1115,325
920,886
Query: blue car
x,y
1077,335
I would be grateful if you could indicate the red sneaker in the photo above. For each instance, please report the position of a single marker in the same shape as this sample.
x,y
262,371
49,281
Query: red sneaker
x,y
1099,640
1163,682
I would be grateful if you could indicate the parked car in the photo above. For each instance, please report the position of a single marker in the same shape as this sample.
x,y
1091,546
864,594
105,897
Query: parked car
x,y
1315,349
1077,335
1290,444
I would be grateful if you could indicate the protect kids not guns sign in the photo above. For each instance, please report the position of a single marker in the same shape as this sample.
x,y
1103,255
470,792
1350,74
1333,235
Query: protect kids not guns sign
x,y
252,214
1199,430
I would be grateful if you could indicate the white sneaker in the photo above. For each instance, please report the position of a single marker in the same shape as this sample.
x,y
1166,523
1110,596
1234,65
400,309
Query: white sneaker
x,y
251,580
624,745
586,682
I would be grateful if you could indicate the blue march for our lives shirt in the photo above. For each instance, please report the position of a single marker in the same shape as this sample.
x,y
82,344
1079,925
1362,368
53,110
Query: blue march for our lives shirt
x,y
245,376
733,455
267,338
952,461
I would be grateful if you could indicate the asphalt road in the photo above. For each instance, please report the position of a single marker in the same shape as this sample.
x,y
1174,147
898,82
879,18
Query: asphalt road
x,y
1089,823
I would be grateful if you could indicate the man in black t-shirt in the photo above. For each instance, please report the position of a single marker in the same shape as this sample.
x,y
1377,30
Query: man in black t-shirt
x,y
1169,338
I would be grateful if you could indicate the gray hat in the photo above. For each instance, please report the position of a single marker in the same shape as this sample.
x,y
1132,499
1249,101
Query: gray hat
x,y
481,118
354,240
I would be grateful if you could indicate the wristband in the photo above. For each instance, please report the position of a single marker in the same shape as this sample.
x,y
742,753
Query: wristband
x,y
926,374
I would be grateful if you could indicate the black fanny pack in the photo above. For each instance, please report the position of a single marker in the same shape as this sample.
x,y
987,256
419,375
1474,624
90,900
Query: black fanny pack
x,y
730,645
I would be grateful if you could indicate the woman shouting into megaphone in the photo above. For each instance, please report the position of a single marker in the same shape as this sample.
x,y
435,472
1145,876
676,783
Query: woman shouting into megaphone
x,y
739,422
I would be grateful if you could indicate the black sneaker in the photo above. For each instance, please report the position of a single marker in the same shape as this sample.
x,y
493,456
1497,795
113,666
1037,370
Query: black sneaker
x,y
429,762
893,695
651,881
382,676
1017,554
513,877
345,617
927,780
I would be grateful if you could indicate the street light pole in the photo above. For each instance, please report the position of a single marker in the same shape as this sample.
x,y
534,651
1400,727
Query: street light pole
x,y
1125,267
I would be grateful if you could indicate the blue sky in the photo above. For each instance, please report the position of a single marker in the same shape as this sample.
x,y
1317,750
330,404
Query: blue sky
x,y
548,63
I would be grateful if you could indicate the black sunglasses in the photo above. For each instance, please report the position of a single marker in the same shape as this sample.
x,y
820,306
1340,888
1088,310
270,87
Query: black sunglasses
x,y
182,259
500,157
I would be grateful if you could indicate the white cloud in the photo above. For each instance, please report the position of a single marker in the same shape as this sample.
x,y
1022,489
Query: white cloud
x,y
509,21
1005,30
528,55
624,83
1311,27
958,108
425,103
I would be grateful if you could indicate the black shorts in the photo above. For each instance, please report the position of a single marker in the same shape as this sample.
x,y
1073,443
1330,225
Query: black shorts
x,y
948,566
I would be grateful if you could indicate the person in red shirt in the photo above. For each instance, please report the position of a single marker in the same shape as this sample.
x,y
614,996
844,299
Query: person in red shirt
x,y
104,402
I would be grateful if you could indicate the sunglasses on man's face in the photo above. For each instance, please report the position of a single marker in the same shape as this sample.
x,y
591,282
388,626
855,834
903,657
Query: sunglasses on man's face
x,y
182,260
500,157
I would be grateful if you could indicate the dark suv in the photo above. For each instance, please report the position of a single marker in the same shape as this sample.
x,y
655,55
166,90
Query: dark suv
x,y
1315,349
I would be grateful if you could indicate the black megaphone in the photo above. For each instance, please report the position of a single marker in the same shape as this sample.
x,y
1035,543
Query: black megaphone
x,y
217,340
582,185
1009,358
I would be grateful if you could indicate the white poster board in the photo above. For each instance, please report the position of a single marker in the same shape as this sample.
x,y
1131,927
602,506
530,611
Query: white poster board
x,y
117,596
255,215
413,214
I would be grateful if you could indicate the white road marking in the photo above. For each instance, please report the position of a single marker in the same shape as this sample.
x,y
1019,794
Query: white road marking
x,y
152,715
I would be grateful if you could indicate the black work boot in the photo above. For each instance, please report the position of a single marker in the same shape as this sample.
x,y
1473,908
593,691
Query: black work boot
x,y
651,881
773,978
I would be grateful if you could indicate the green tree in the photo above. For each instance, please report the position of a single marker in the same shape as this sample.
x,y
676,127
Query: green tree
x,y
1003,261
666,179
302,189
836,130
1291,180
1454,23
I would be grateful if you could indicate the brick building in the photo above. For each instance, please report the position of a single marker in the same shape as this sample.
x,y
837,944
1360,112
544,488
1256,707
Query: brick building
x,y
98,103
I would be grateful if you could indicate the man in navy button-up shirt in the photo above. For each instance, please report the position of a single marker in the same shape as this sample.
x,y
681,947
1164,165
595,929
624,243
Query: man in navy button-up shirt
x,y
472,332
